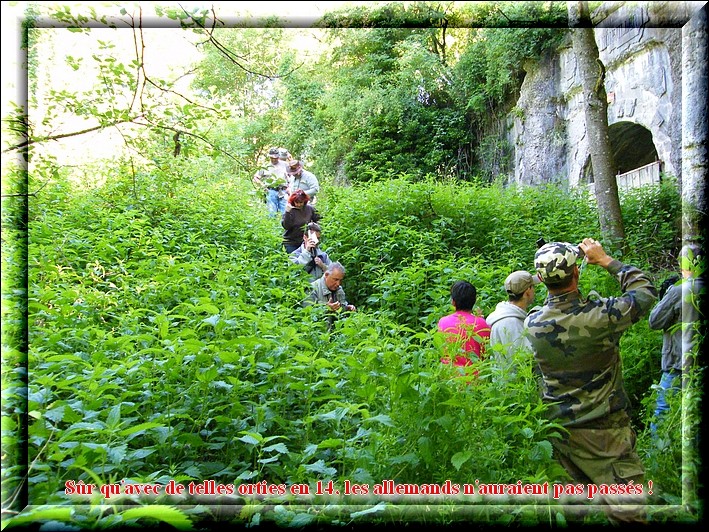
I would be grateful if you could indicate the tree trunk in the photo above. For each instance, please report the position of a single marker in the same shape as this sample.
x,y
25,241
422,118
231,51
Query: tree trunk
x,y
592,73
695,160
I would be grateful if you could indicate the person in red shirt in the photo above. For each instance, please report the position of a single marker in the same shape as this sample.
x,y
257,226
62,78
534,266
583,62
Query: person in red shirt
x,y
466,333
299,213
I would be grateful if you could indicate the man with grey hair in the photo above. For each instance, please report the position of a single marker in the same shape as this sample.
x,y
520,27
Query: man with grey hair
x,y
328,290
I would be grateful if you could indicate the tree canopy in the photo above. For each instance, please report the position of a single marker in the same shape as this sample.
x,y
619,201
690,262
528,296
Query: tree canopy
x,y
394,86
152,329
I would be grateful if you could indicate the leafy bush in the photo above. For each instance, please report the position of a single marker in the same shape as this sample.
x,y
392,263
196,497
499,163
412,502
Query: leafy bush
x,y
167,342
653,218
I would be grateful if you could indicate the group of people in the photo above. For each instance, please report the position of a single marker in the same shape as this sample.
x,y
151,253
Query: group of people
x,y
281,177
574,341
502,329
291,190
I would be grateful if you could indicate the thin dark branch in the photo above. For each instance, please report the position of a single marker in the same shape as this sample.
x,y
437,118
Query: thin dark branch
x,y
206,141
231,56
140,56
30,142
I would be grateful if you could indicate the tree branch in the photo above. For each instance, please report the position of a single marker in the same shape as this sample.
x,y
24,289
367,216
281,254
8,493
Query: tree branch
x,y
231,56
31,141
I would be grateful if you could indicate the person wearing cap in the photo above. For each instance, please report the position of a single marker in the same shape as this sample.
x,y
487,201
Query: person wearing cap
x,y
507,320
303,180
309,255
466,334
674,315
273,180
576,346
284,155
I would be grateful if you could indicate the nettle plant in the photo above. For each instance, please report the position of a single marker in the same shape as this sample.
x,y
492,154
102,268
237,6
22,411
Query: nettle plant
x,y
170,344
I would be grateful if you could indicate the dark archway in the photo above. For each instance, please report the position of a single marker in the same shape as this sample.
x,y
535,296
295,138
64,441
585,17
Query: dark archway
x,y
632,146
587,172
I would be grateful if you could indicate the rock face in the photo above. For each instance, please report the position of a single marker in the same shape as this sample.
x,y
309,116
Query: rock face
x,y
640,46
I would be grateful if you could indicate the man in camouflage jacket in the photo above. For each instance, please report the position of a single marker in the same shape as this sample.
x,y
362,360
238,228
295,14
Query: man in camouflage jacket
x,y
576,345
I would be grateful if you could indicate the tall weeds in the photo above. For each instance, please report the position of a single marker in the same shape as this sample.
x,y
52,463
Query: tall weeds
x,y
167,342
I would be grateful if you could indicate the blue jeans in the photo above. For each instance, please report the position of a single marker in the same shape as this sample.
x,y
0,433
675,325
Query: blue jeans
x,y
668,384
275,201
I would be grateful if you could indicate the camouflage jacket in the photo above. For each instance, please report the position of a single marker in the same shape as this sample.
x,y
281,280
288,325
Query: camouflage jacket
x,y
576,345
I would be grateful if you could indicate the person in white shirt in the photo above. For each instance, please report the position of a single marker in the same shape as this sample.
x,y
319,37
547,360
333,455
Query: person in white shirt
x,y
507,320
273,180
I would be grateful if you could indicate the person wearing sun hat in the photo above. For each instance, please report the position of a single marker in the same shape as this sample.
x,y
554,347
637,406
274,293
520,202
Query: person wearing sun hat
x,y
272,180
507,320
576,346
302,179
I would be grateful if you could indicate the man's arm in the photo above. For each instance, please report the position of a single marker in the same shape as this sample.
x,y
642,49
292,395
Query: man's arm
x,y
257,179
639,293
300,257
312,184
311,298
342,299
323,261
667,312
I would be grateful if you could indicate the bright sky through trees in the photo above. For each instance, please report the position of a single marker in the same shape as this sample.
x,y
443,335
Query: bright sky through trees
x,y
161,43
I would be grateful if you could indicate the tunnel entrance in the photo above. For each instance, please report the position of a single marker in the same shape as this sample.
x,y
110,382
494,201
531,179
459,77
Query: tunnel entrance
x,y
632,149
631,145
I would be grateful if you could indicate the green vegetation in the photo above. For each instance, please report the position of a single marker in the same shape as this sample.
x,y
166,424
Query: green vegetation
x,y
166,342
153,335
420,88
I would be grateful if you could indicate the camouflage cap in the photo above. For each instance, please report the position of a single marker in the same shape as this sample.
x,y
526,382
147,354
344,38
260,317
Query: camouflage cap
x,y
273,152
555,261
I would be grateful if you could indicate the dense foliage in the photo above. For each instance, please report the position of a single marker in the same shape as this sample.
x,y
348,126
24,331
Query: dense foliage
x,y
153,332
167,342
400,88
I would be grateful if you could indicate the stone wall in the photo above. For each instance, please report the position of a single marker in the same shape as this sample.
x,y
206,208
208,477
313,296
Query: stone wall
x,y
640,45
